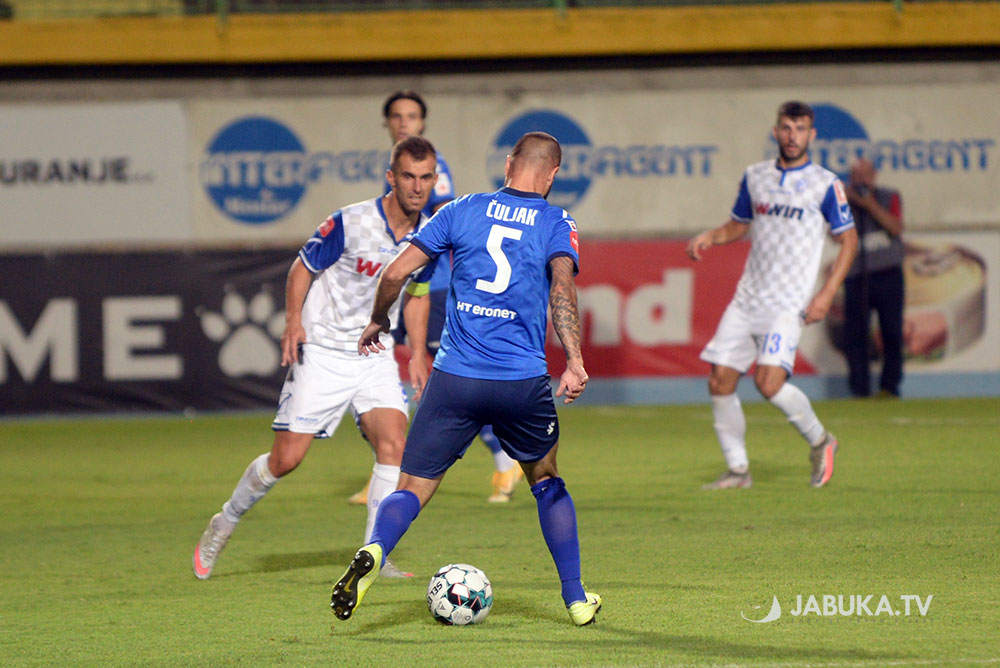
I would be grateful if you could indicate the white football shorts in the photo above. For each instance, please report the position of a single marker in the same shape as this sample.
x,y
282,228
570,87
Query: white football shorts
x,y
325,383
770,338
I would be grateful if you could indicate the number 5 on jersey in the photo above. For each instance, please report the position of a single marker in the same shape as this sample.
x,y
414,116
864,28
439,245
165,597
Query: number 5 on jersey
x,y
494,245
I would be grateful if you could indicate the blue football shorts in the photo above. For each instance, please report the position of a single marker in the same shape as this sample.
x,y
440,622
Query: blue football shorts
x,y
454,409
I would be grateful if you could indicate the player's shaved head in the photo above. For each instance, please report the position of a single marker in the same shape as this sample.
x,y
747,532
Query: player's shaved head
x,y
536,150
533,163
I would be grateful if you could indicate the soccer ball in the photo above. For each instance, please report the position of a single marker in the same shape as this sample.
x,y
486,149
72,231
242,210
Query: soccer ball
x,y
459,594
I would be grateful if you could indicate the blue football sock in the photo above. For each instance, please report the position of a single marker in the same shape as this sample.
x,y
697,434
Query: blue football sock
x,y
557,515
490,439
394,516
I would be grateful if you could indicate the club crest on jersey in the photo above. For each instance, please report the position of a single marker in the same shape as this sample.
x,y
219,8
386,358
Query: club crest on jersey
x,y
368,267
780,210
842,204
327,226
443,186
574,238
838,188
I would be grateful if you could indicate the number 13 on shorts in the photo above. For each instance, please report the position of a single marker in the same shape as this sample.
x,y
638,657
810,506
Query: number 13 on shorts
x,y
779,345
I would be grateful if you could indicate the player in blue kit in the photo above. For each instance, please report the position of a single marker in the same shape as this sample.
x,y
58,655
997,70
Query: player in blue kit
x,y
405,114
515,257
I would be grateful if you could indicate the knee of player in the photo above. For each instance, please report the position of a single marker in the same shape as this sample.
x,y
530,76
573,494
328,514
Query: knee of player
x,y
719,386
283,463
389,448
536,472
768,387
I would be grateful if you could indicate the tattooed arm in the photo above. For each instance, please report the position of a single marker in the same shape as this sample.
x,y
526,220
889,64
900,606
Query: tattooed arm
x,y
566,322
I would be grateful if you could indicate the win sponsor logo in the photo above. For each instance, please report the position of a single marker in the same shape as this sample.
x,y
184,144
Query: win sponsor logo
x,y
368,267
780,210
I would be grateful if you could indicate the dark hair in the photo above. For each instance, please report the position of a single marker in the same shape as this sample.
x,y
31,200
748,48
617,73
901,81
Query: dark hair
x,y
538,147
404,95
416,147
796,109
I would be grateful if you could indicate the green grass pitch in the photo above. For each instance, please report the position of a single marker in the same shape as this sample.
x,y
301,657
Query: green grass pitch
x,y
99,519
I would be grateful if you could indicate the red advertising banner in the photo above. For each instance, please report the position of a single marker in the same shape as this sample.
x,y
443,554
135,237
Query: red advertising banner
x,y
648,310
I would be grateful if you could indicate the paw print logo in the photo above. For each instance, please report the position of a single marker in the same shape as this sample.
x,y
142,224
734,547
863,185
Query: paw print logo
x,y
248,332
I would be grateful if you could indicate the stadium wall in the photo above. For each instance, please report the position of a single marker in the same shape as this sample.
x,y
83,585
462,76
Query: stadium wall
x,y
644,153
100,176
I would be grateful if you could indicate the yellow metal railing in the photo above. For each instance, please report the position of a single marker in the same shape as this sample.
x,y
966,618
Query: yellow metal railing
x,y
130,32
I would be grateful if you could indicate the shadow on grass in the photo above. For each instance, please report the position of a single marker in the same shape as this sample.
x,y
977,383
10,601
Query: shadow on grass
x,y
371,621
708,646
290,561
606,635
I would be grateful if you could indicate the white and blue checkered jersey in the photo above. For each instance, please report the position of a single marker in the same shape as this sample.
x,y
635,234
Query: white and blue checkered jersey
x,y
347,255
497,309
788,211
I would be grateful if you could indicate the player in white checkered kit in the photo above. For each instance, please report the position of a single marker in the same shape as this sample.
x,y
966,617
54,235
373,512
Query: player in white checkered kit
x,y
785,206
329,295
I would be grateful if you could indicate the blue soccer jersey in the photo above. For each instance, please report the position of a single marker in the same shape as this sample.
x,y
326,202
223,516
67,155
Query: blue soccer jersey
x,y
502,244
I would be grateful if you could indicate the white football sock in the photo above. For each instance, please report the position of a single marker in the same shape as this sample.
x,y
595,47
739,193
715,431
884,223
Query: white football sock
x,y
794,403
385,478
502,462
731,429
251,488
